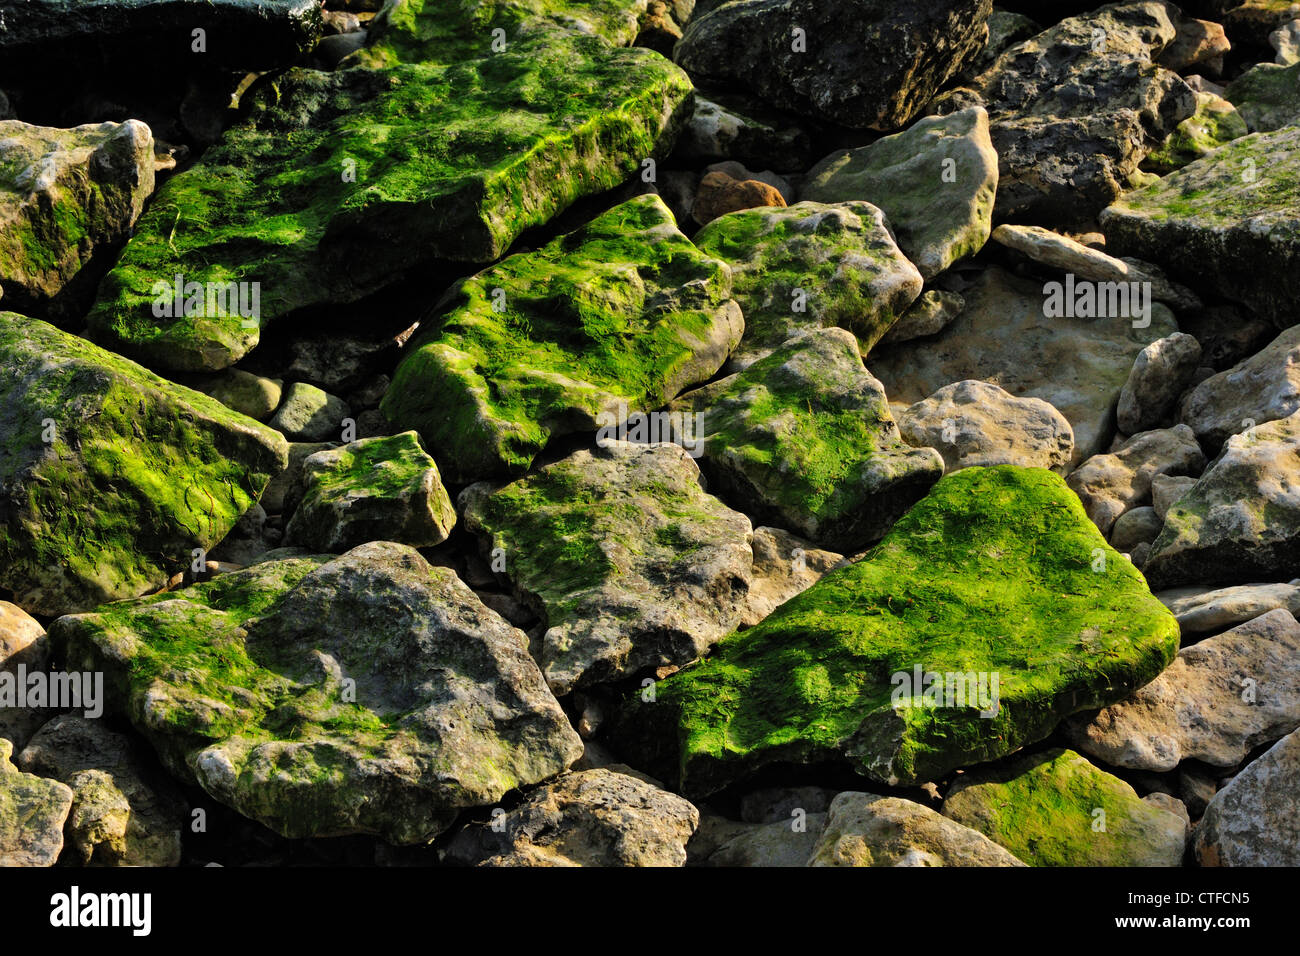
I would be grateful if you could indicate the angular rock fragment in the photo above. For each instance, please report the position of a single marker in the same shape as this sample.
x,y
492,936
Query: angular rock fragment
x,y
1261,388
1253,820
1160,375
32,811
1202,611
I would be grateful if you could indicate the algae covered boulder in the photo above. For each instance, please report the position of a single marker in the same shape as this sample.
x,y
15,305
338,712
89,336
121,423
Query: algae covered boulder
x,y
628,561
66,195
621,315
804,440
1229,222
808,266
368,693
376,489
110,476
990,612
336,182
1057,809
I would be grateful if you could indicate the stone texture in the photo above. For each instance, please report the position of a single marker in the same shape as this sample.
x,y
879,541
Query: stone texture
x,y
1253,820
1261,388
1201,611
32,811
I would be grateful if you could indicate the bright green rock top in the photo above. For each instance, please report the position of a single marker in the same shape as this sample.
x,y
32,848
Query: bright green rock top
x,y
109,475
624,310
336,182
992,573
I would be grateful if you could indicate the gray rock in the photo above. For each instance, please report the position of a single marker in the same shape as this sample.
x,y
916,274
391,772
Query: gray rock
x,y
864,829
624,556
1285,41
1166,490
1201,611
780,804
32,811
928,315
973,423
1134,527
1217,701
860,63
783,843
339,362
284,491
309,414
376,489
588,818
1161,373
121,814
756,137
1253,820
1111,484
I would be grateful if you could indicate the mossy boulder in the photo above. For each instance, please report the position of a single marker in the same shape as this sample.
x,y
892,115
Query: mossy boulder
x,y
619,316
803,439
376,489
336,182
1267,96
1229,222
1057,809
368,693
65,196
936,182
109,475
1215,122
809,266
997,573
627,560
32,812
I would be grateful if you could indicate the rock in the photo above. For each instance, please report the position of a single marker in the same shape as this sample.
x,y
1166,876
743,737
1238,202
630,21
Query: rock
x,y
719,194
320,696
376,489
1261,388
788,842
658,30
811,266
285,490
656,315
589,818
1006,29
835,470
1221,698
739,171
973,423
558,115
66,196
754,136
119,817
109,38
1201,611
32,811
1206,225
1253,821
863,829
782,804
1286,41
1111,484
1196,788
246,393
928,315
1171,804
762,698
307,413
1071,118
1061,252
1215,122
1138,526
1198,43
137,471
1166,490
1266,97
22,645
1078,366
867,64
1251,21
623,555
784,565
1057,809
248,540
339,363
935,182
1241,520
1160,375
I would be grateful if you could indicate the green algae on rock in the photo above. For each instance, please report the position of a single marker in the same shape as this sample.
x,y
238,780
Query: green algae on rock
x,y
808,266
1057,809
65,195
336,182
936,182
1267,96
997,571
1215,122
621,314
624,556
109,475
1230,222
368,693
376,489
804,440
